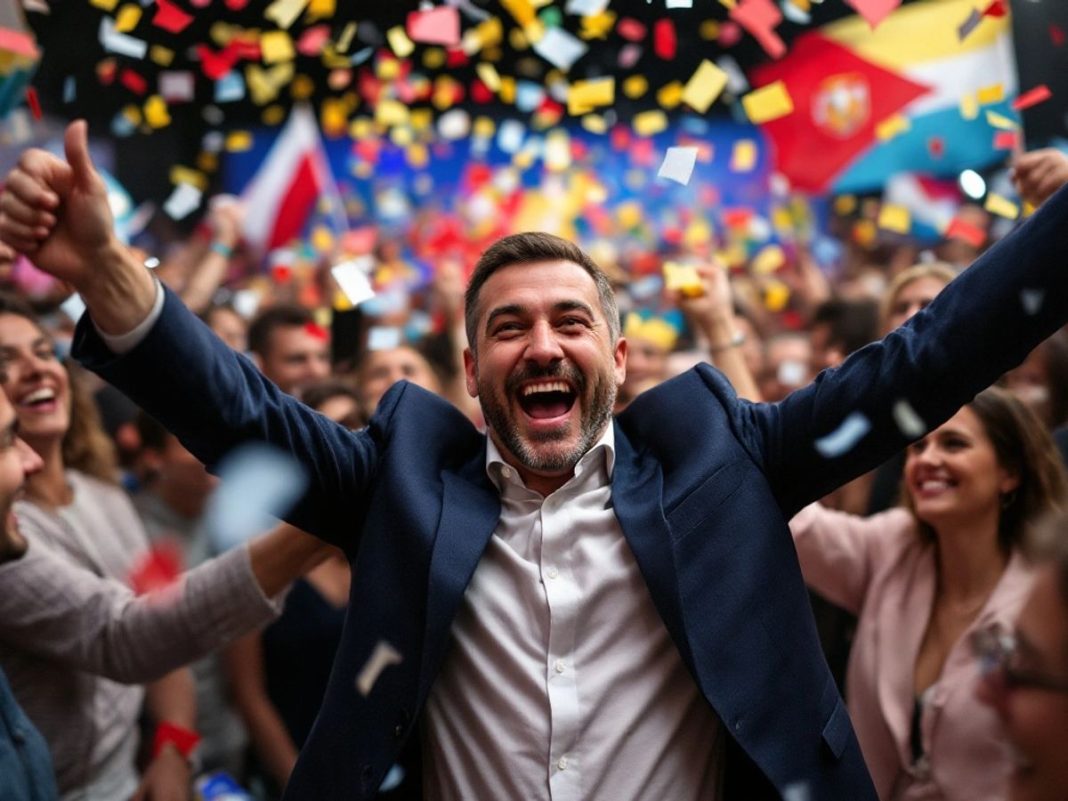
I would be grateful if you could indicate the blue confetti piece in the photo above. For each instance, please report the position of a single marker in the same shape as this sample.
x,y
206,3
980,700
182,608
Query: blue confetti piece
x,y
842,439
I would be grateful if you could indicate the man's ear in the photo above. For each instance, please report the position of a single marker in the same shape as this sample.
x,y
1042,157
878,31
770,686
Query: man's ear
x,y
470,373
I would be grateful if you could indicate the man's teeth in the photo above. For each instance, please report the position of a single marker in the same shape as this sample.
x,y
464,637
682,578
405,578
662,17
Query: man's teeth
x,y
547,386
934,485
39,395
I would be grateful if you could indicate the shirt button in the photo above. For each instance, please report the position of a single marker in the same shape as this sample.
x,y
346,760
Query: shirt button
x,y
552,572
559,666
562,762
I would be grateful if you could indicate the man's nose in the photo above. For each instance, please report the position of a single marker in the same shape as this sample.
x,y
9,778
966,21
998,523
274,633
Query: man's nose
x,y
543,347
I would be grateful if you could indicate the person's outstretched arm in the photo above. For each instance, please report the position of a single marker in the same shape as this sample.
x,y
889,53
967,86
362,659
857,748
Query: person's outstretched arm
x,y
59,611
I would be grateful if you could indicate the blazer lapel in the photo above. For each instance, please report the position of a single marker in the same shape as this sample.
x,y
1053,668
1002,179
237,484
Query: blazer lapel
x,y
637,492
470,510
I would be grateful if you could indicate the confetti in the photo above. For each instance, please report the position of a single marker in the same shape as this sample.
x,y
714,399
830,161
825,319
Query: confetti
x,y
382,657
874,11
114,42
74,307
895,218
649,123
743,156
704,86
170,18
994,93
769,259
759,18
966,232
971,22
842,440
439,25
1001,206
560,48
768,103
683,278
284,13
665,41
176,86
909,423
258,484
678,164
1032,97
384,337
1032,299
1001,121
399,41
1006,140
183,201
892,126
584,96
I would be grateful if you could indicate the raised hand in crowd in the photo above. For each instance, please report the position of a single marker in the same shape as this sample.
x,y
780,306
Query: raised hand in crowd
x,y
1039,174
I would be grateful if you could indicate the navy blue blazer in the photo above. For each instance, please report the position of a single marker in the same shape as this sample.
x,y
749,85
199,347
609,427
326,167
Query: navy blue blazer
x,y
703,486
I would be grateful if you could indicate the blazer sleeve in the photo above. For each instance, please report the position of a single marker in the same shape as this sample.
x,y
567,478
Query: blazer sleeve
x,y
52,608
853,417
214,399
838,551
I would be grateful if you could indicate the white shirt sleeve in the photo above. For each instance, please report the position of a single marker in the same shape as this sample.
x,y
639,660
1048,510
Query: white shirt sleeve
x,y
124,343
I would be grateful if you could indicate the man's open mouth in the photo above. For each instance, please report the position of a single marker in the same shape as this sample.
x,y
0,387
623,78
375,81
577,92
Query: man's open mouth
x,y
545,400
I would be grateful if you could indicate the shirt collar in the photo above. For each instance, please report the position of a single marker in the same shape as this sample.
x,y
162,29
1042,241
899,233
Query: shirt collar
x,y
606,445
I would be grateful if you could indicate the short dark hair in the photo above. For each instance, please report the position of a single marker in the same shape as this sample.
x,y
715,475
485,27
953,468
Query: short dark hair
x,y
851,324
529,248
283,315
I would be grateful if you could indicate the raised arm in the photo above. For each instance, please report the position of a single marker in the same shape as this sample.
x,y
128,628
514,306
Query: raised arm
x,y
54,609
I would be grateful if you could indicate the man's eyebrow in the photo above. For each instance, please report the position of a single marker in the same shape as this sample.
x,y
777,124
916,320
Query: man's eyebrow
x,y
504,311
573,305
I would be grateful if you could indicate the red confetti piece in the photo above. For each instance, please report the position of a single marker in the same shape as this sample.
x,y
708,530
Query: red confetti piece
x,y
455,58
236,5
631,29
480,93
730,33
1006,140
1032,97
133,81
966,232
157,569
215,65
1056,35
317,331
760,18
33,102
996,9
281,273
171,18
664,40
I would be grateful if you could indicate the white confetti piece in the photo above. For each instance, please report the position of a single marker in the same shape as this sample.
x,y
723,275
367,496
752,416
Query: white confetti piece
x,y
669,4
229,88
246,302
678,164
842,439
258,484
176,86
352,277
123,44
384,337
909,423
560,48
182,202
73,307
383,656
1032,300
454,124
798,791
585,8
510,136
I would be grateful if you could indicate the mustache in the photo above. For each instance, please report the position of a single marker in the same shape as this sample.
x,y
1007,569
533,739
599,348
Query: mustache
x,y
566,372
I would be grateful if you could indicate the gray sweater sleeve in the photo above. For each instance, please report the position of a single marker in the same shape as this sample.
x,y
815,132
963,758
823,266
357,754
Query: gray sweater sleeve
x,y
56,610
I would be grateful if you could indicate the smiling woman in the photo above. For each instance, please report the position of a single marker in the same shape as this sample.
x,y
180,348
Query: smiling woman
x,y
923,579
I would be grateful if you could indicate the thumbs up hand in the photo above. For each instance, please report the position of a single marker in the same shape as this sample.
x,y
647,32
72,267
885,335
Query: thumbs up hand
x,y
56,211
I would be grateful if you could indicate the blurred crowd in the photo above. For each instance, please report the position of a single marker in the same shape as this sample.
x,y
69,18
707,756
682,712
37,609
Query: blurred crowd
x,y
942,570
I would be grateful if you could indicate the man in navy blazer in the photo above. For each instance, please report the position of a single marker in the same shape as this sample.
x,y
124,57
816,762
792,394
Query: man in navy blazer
x,y
698,482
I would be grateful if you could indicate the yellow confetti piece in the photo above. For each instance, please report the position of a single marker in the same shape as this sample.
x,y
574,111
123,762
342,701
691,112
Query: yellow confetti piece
x,y
320,9
273,115
399,41
345,39
133,114
597,26
768,103
127,18
207,162
557,150
584,96
743,156
768,260
895,218
334,117
487,73
418,156
302,87
845,204
654,331
106,5
390,112
221,33
669,95
1001,121
522,11
161,55
649,123
697,233
969,106
776,295
1001,206
388,69
517,39
892,126
420,119
683,278
594,123
1029,208
156,113
709,30
635,86
276,46
629,215
508,89
704,86
433,58
237,141
185,175
994,93
284,13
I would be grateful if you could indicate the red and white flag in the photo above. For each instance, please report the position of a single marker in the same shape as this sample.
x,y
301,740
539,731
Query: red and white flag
x,y
292,179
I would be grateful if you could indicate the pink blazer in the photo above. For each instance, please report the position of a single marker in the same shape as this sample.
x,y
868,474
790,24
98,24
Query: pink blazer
x,y
882,571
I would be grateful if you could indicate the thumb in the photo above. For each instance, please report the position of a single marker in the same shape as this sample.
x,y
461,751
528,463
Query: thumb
x,y
76,147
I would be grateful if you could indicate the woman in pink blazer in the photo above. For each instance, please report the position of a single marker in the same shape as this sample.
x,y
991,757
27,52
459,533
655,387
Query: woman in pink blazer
x,y
921,579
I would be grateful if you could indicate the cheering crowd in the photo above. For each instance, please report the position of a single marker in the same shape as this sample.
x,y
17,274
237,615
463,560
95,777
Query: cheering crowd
x,y
598,598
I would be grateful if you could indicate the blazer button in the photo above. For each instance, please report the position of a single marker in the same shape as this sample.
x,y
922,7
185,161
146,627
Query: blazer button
x,y
398,731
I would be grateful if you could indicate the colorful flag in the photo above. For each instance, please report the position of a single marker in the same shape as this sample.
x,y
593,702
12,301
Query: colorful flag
x,y
848,81
292,180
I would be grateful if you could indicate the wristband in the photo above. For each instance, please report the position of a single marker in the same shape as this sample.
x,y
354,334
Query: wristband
x,y
224,250
184,741
736,341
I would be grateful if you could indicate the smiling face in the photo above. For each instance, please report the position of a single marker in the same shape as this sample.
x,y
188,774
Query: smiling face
x,y
17,460
1035,719
953,474
545,368
36,383
911,298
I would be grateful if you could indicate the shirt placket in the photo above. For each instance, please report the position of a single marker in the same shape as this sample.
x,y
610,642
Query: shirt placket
x,y
563,596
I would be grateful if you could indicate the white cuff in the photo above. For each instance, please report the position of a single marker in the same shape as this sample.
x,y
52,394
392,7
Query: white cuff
x,y
124,343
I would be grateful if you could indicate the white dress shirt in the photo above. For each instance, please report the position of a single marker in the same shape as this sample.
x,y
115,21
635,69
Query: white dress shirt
x,y
562,681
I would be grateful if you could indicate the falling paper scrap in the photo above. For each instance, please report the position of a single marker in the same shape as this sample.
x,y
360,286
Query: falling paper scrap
x,y
909,423
351,276
382,657
1032,300
840,441
182,201
678,164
